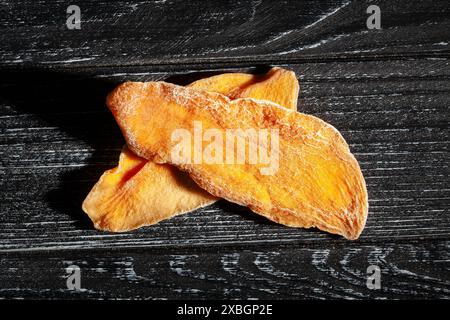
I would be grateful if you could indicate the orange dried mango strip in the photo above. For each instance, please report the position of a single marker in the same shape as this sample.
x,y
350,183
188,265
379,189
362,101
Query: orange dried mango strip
x,y
277,85
139,192
317,182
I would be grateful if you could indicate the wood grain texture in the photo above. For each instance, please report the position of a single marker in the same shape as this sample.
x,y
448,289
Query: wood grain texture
x,y
410,270
177,31
387,91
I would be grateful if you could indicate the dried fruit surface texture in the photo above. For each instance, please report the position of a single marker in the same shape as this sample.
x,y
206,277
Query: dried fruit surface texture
x,y
139,192
318,182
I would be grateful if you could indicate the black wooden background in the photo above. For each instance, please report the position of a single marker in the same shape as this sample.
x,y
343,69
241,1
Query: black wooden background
x,y
387,91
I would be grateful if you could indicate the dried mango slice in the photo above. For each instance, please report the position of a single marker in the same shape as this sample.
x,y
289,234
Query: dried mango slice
x,y
139,192
318,182
277,85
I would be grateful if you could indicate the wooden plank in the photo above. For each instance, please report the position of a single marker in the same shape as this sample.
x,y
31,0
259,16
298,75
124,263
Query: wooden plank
x,y
176,31
408,271
57,137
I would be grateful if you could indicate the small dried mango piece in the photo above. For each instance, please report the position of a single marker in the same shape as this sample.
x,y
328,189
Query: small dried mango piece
x,y
277,85
139,192
318,182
